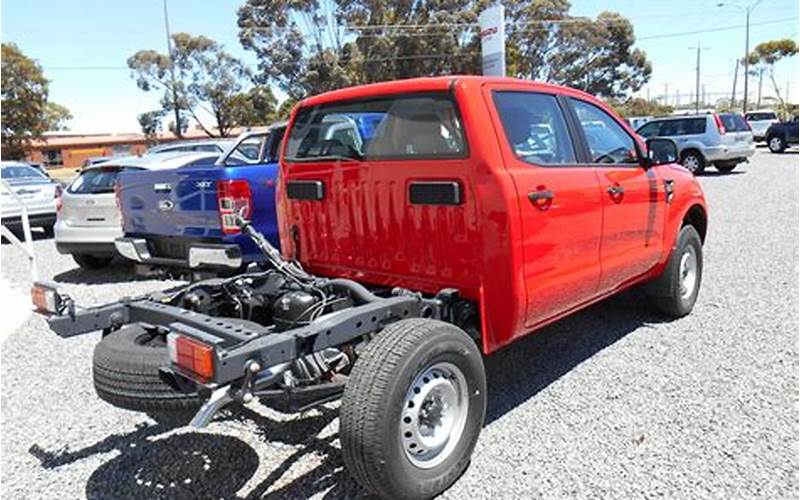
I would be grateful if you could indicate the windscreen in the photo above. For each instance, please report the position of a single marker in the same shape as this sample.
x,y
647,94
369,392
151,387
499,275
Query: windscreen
x,y
734,122
18,172
97,180
415,126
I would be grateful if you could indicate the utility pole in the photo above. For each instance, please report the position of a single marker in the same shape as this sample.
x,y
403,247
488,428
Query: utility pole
x,y
735,76
666,94
697,78
760,82
747,10
175,102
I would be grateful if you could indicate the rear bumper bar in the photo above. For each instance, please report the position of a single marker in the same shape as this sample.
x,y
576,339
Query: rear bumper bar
x,y
137,249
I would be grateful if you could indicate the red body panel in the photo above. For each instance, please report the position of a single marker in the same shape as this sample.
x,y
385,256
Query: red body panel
x,y
525,267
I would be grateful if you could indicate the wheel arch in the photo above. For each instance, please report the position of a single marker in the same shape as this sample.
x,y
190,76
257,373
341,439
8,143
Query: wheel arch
x,y
693,149
696,217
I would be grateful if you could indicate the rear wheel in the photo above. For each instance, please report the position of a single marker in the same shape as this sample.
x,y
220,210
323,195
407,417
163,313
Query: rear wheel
x,y
675,292
693,162
413,409
91,262
726,167
126,367
776,144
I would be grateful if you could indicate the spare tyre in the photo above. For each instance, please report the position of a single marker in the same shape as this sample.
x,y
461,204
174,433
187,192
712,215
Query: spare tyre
x,y
126,367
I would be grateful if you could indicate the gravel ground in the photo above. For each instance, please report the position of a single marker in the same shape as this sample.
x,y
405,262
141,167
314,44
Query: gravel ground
x,y
612,402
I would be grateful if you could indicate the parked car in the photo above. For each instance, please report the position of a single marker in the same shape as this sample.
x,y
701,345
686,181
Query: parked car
x,y
760,121
169,216
94,160
196,146
37,191
88,215
782,135
723,140
452,230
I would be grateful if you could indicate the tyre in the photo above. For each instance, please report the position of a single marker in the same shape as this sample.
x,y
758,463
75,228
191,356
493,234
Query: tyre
x,y
413,409
125,369
776,144
91,262
674,293
725,167
693,162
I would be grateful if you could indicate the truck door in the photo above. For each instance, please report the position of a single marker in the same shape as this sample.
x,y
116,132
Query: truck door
x,y
633,201
559,200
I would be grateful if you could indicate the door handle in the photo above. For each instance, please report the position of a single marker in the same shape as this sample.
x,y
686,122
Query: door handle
x,y
616,192
541,198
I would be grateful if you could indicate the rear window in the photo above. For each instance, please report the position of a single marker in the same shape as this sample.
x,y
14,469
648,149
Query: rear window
x,y
97,180
415,126
683,126
734,122
20,172
756,117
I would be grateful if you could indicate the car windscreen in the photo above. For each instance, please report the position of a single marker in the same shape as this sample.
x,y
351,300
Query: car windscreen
x,y
97,180
407,127
757,117
734,122
19,172
683,126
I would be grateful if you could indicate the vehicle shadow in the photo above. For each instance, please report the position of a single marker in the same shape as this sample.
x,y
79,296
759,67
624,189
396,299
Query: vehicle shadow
x,y
717,173
207,465
118,270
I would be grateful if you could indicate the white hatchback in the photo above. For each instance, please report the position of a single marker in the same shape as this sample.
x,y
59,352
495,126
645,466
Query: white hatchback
x,y
88,216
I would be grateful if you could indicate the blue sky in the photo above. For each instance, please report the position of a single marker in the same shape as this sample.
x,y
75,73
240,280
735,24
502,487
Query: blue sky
x,y
94,33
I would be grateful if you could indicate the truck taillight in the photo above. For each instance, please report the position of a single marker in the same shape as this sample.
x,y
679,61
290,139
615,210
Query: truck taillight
x,y
234,198
719,124
192,357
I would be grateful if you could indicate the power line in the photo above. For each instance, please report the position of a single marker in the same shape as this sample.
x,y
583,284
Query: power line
x,y
712,30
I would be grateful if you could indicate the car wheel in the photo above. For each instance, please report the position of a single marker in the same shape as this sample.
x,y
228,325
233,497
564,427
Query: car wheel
x,y
725,167
674,293
693,162
777,144
413,409
91,262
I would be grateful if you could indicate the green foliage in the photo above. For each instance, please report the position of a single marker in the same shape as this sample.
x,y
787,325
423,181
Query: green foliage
x,y
150,122
200,74
307,47
637,106
766,54
26,111
253,108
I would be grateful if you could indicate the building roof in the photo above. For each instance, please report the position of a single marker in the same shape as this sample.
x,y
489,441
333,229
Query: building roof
x,y
65,139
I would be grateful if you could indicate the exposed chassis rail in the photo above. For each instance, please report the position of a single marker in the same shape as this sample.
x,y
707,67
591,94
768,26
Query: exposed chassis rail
x,y
236,346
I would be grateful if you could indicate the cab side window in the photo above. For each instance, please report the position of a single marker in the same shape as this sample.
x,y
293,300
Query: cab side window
x,y
608,141
535,127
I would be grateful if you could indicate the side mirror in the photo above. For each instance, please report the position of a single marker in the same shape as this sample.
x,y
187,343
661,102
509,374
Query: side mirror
x,y
661,151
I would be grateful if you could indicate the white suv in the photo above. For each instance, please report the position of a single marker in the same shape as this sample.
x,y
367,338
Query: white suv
x,y
760,121
88,216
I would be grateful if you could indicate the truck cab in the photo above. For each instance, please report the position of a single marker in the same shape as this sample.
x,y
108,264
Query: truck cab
x,y
171,217
531,200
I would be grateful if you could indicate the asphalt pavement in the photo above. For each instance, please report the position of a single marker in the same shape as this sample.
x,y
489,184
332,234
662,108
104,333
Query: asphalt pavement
x,y
613,402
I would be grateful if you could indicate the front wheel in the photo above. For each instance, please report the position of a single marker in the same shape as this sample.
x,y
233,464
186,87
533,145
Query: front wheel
x,y
693,162
776,144
675,291
413,409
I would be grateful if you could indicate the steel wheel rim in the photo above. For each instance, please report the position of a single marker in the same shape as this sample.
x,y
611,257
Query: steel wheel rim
x,y
434,415
691,163
688,270
775,143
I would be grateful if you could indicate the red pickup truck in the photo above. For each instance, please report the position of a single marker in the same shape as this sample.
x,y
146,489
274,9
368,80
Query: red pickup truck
x,y
473,212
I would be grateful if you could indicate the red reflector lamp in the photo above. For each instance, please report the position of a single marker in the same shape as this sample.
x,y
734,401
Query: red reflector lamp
x,y
191,356
45,298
